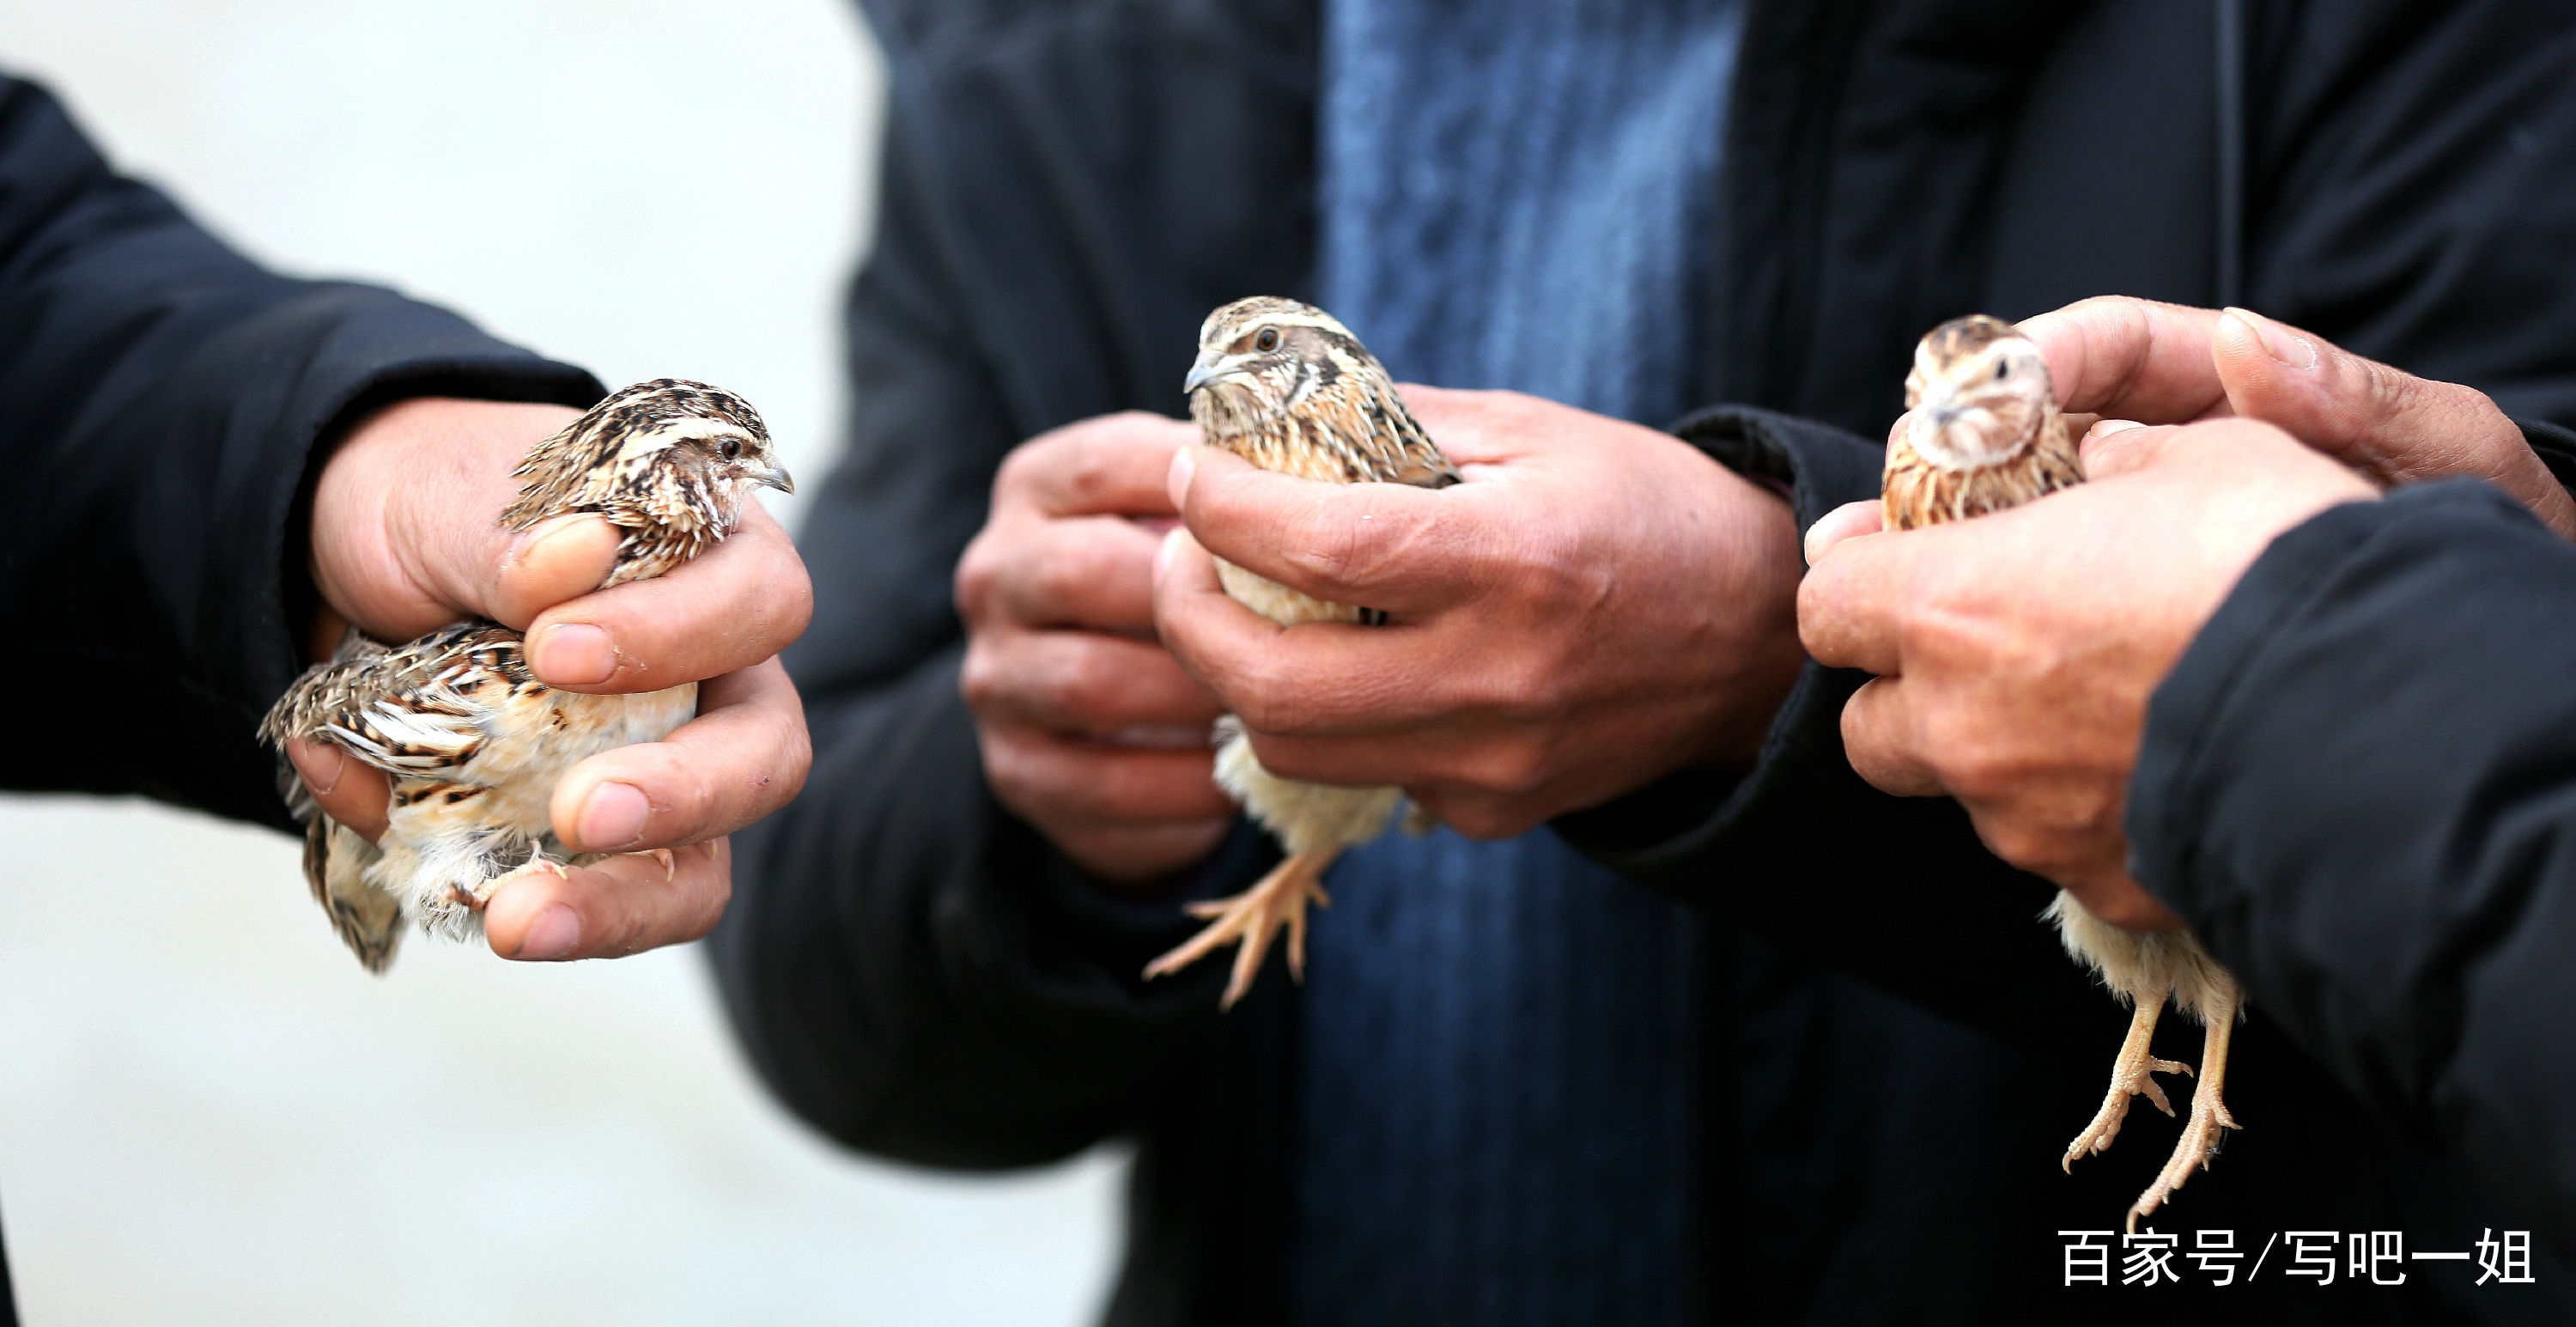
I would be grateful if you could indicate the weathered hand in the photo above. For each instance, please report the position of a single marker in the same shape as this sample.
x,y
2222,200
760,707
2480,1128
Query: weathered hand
x,y
1090,731
1598,605
405,538
2135,359
2016,652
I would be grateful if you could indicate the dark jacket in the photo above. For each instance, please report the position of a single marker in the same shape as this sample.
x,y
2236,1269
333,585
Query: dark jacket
x,y
163,396
1895,1053
2389,860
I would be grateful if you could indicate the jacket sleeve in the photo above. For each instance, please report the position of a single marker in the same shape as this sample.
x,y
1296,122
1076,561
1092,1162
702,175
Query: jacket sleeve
x,y
2359,786
2389,214
162,396
914,971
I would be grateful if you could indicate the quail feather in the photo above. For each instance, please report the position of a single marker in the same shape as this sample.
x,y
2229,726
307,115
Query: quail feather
x,y
471,741
1982,433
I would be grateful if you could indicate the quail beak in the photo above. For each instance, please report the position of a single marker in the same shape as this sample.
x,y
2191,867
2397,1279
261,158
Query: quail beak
x,y
1201,374
774,477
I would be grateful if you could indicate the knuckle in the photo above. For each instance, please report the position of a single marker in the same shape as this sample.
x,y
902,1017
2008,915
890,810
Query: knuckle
x,y
1075,565
1083,685
1475,818
983,678
1020,468
1267,703
1013,771
978,571
2018,843
1511,769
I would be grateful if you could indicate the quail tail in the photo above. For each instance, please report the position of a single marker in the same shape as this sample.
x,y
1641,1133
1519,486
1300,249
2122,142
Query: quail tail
x,y
367,919
1255,917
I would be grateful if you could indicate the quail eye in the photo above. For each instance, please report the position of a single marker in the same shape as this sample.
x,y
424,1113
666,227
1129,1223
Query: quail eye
x,y
1267,339
731,449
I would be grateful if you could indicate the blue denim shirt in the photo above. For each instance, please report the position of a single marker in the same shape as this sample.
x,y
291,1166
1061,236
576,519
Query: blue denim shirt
x,y
1492,1116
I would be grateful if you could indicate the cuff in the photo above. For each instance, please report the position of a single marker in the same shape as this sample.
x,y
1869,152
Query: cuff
x,y
2196,718
1125,931
2556,447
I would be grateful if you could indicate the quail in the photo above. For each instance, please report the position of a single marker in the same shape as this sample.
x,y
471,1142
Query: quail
x,y
1288,388
1982,433
472,742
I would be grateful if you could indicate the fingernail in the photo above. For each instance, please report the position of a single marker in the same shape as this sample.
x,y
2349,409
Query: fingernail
x,y
1170,548
2108,427
555,934
574,654
319,763
1176,482
2277,341
613,817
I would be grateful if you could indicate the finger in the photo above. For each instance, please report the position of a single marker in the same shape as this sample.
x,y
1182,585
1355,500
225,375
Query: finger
x,y
726,609
348,790
1321,679
1094,573
1843,522
1392,547
1882,740
1111,465
2132,358
1054,780
1474,813
2122,446
1140,855
559,559
618,906
744,756
2117,898
2389,423
1851,603
1085,685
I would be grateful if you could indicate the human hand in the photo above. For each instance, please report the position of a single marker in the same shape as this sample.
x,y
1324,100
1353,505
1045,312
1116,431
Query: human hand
x,y
2153,363
1598,605
1090,731
406,538
2016,652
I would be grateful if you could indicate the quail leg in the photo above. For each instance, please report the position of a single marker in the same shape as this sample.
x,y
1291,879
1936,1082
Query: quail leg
x,y
1254,917
2199,1141
2133,1074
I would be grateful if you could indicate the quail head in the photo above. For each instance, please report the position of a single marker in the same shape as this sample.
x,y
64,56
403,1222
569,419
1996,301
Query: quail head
x,y
472,742
1982,433
1288,388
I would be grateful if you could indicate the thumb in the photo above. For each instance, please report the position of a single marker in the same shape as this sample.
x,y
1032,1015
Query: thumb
x,y
2390,425
559,559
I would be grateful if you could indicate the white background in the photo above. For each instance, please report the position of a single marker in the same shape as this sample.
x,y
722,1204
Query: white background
x,y
208,1113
